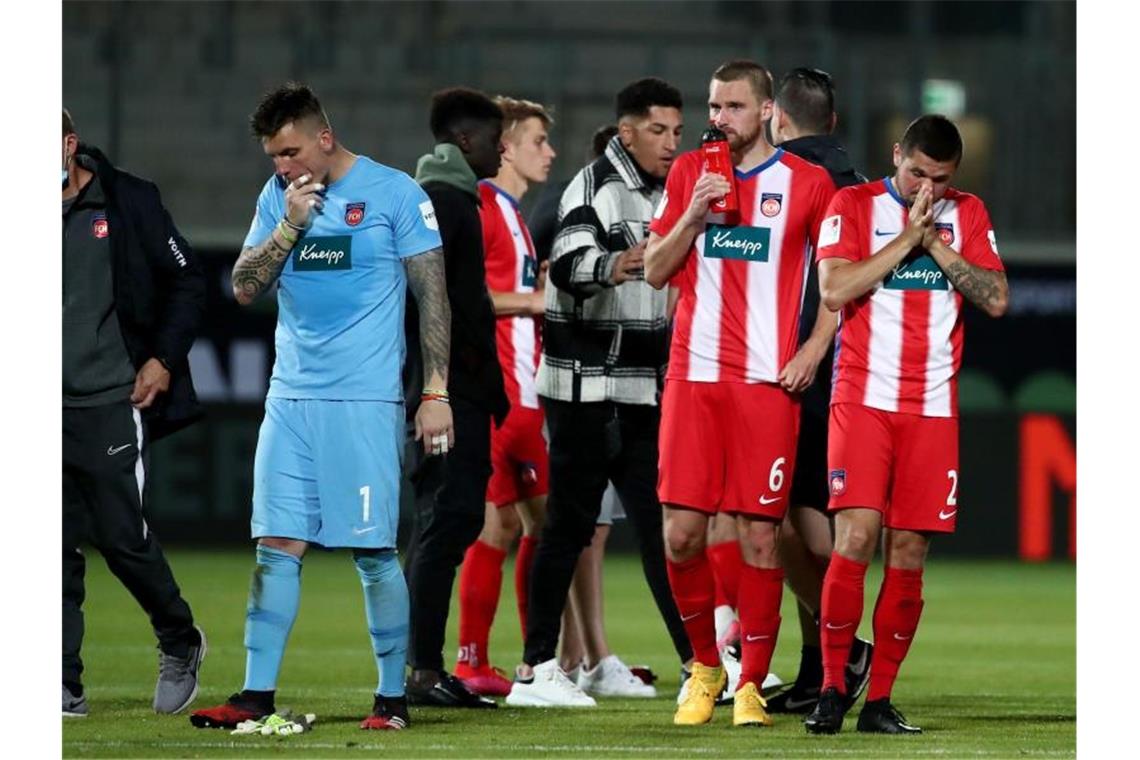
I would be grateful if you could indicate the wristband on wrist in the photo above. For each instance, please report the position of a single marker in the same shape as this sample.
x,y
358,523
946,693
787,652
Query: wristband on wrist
x,y
430,397
283,231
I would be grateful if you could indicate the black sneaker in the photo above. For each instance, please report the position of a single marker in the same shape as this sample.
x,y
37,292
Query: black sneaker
x,y
857,674
881,717
827,717
798,698
388,714
448,691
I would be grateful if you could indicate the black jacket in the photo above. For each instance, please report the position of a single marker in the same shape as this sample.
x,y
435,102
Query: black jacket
x,y
159,287
825,151
474,373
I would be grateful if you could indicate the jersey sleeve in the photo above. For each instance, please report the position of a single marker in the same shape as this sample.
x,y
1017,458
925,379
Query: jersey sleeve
x,y
824,190
980,245
415,227
265,215
678,189
839,233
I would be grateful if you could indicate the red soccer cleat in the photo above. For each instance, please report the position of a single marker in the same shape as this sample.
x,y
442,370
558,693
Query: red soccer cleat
x,y
484,680
228,715
388,714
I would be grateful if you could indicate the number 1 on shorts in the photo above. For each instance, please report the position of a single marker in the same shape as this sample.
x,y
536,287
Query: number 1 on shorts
x,y
366,495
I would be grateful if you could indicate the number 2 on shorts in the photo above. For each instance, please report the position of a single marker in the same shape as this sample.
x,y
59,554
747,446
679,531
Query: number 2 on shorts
x,y
952,497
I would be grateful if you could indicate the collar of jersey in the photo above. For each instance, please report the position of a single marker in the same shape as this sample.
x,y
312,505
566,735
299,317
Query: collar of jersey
x,y
500,191
894,193
757,169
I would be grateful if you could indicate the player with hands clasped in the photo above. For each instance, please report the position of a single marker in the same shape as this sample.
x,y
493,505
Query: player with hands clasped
x,y
898,257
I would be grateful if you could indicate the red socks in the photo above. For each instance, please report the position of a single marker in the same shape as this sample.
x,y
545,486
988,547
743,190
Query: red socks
x,y
759,610
896,619
726,566
480,580
694,592
525,558
842,609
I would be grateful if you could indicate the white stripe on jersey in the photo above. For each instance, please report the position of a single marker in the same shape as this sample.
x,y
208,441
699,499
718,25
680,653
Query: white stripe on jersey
x,y
705,329
942,318
522,327
884,354
763,285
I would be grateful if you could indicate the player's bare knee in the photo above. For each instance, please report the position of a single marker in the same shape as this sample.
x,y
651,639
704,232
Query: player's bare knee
x,y
288,545
683,542
759,542
907,549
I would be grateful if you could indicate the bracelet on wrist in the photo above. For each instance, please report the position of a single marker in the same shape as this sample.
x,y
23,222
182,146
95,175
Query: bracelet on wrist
x,y
433,397
435,391
295,227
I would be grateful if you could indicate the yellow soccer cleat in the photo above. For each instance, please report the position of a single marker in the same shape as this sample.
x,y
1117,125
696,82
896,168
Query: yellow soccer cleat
x,y
748,707
700,692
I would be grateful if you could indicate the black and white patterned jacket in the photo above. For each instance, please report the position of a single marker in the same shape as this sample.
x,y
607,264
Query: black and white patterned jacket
x,y
601,342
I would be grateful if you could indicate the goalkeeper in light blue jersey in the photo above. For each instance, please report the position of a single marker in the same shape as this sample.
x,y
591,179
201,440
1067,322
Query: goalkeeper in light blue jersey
x,y
344,237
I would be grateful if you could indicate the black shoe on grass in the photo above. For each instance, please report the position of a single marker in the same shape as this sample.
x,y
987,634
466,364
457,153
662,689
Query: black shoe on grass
x,y
827,717
881,717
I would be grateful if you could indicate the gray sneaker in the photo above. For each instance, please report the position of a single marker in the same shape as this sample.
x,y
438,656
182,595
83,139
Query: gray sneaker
x,y
178,678
73,706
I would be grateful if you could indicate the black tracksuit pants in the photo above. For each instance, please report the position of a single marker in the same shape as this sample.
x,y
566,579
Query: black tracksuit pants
x,y
590,444
105,462
450,492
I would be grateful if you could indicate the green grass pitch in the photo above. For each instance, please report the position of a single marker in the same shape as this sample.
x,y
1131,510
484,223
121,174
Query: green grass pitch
x,y
992,673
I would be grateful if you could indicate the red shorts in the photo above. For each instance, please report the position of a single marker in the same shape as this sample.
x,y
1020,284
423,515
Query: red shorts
x,y
904,465
727,447
520,466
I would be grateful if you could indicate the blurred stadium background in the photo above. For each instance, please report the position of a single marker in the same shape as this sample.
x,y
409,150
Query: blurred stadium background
x,y
165,89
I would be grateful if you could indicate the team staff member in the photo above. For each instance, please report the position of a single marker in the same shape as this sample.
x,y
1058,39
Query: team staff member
x,y
133,300
803,118
729,412
898,256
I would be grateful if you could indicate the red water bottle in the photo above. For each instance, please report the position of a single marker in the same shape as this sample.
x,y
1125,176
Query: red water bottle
x,y
718,160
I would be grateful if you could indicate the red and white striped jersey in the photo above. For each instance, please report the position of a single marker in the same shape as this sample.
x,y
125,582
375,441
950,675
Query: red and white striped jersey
x,y
900,345
742,284
512,267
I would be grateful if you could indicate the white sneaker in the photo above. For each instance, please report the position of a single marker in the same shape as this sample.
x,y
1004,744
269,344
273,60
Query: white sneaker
x,y
771,683
611,678
549,688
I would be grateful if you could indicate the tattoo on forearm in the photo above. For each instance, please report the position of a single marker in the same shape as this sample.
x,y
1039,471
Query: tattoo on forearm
x,y
982,287
258,267
429,286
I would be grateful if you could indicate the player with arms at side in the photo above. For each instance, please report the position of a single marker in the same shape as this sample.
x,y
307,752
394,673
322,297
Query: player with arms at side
x,y
516,493
898,256
344,237
728,421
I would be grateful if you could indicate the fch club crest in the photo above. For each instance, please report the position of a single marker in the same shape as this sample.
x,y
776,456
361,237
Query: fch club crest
x,y
99,226
837,482
353,214
945,232
771,203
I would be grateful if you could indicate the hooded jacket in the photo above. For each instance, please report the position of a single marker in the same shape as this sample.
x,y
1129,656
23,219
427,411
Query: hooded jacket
x,y
474,374
159,289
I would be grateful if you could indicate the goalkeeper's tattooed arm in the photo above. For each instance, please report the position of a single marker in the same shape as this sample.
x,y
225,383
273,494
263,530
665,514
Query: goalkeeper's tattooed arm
x,y
426,280
258,266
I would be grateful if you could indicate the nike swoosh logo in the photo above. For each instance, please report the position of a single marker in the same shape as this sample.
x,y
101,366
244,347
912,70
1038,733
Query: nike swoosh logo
x,y
946,515
765,500
795,704
757,638
880,233
829,626
362,531
902,638
687,618
112,451
859,666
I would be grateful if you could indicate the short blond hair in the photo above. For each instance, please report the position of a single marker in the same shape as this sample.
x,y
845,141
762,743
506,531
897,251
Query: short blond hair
x,y
517,110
